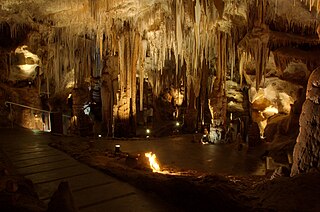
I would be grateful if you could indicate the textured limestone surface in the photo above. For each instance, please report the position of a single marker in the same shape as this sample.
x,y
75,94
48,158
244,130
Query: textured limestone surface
x,y
307,149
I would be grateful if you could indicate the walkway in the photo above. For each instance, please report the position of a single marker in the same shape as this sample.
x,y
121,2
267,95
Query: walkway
x,y
92,190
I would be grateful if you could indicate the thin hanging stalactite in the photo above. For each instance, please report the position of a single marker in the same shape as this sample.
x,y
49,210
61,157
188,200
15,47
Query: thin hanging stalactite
x,y
135,57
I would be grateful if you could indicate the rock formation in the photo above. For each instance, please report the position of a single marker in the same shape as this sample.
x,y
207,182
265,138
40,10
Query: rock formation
x,y
212,55
306,155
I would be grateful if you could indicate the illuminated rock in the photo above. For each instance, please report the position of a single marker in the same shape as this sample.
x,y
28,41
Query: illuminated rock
x,y
306,155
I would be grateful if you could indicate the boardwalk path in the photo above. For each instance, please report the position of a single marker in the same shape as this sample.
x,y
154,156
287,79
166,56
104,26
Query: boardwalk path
x,y
47,167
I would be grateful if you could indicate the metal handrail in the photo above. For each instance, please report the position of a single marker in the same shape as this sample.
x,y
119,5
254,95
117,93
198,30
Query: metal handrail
x,y
25,106
32,108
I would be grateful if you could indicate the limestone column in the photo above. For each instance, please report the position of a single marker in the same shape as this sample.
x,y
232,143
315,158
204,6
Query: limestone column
x,y
107,102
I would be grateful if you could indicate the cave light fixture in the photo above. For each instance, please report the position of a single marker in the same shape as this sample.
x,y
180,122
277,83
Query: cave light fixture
x,y
70,85
148,131
117,148
86,109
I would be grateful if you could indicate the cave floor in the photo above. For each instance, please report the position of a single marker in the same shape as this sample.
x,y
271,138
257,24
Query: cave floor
x,y
30,156
214,177
186,153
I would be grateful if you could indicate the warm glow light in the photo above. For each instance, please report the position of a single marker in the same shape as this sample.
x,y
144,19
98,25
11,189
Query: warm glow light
x,y
270,111
148,131
266,113
153,161
154,165
27,54
117,148
70,85
177,124
28,68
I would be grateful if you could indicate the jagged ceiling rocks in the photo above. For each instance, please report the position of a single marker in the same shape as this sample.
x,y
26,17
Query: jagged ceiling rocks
x,y
188,28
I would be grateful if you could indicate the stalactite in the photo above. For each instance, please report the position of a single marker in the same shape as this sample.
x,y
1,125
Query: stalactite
x,y
197,33
219,64
179,37
261,53
128,54
224,61
312,3
141,74
121,52
135,57
241,64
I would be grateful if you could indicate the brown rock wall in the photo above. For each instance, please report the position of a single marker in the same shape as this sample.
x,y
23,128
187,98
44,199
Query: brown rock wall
x,y
306,155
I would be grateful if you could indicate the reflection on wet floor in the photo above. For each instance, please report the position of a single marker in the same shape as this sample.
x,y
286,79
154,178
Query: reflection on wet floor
x,y
180,152
177,151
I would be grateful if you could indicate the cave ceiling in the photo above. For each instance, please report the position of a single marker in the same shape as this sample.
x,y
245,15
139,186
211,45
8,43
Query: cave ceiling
x,y
86,16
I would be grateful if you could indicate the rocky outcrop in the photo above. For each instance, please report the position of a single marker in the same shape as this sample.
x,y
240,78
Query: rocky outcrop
x,y
306,155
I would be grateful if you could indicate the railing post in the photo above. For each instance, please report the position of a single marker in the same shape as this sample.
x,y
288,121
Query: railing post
x,y
49,120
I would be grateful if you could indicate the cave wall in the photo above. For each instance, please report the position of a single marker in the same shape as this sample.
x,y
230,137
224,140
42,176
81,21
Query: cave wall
x,y
306,155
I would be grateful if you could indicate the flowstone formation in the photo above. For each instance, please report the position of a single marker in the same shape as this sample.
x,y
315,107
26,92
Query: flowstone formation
x,y
306,155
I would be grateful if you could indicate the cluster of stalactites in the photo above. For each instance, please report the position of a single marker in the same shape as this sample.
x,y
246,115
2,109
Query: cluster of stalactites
x,y
255,43
311,4
189,34
130,49
70,53
193,47
191,42
16,29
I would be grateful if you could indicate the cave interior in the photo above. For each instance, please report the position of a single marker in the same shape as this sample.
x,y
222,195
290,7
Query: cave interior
x,y
238,71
